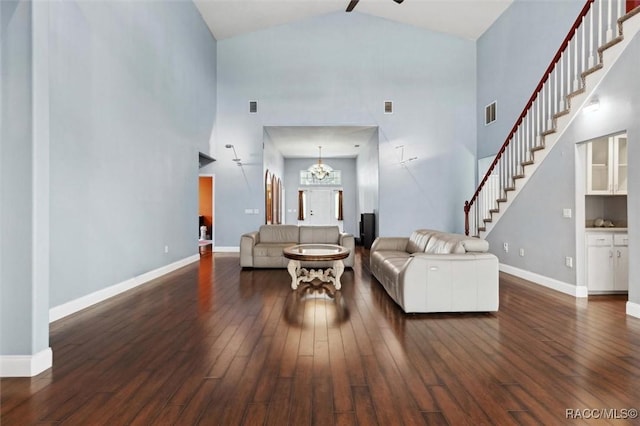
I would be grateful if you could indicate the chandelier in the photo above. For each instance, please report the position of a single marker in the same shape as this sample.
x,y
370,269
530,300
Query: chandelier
x,y
319,170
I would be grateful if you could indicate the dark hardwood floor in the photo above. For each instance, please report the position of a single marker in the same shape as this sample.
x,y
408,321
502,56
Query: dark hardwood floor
x,y
214,344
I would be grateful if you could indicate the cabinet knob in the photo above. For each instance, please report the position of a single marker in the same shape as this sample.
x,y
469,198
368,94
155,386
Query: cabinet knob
x,y
619,254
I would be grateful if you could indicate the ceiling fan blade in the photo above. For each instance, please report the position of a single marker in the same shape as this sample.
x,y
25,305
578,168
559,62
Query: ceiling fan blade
x,y
398,1
352,4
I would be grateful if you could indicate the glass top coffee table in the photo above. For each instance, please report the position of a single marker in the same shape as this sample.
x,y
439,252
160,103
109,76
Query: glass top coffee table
x,y
316,253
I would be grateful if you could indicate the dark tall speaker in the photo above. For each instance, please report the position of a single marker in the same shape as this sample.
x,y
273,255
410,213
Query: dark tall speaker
x,y
367,229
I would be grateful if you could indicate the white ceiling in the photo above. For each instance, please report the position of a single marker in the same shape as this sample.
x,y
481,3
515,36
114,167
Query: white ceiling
x,y
463,18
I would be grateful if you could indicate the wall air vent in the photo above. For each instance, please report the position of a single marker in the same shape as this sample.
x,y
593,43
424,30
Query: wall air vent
x,y
388,107
490,113
253,107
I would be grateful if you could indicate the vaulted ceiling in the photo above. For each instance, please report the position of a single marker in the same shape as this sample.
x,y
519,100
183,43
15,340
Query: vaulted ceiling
x,y
463,18
468,19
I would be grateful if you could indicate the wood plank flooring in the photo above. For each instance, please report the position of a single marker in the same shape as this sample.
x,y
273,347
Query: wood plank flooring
x,y
213,344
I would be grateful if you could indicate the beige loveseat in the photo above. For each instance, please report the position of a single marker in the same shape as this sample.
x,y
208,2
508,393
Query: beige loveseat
x,y
263,248
434,271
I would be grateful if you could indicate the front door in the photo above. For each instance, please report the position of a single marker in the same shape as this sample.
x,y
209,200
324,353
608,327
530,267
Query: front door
x,y
320,207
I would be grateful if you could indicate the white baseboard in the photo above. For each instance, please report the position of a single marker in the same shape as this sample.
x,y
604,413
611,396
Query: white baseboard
x,y
573,290
220,249
633,309
83,302
25,365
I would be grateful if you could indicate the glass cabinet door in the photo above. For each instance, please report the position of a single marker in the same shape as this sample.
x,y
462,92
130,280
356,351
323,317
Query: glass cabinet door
x,y
598,161
620,171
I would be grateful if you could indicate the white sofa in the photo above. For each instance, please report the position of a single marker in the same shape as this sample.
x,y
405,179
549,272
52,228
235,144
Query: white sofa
x,y
434,271
263,248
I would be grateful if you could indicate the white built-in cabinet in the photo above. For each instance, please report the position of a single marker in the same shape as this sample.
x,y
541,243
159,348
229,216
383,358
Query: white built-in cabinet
x,y
607,261
607,166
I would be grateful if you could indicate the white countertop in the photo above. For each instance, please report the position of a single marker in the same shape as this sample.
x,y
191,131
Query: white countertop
x,y
606,229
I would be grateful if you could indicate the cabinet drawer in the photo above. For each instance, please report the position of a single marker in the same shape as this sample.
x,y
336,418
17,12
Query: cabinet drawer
x,y
599,239
621,239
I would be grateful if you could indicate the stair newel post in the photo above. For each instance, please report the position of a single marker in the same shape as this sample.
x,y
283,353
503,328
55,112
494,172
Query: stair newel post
x,y
466,218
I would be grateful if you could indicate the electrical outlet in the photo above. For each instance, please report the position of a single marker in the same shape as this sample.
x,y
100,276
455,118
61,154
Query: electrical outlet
x,y
568,262
566,213
166,249
505,246
521,252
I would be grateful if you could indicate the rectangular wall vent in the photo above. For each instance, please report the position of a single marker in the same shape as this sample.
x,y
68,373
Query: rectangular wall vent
x,y
388,107
490,113
253,107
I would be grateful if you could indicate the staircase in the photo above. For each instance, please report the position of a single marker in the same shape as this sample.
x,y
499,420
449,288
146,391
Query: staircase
x,y
596,40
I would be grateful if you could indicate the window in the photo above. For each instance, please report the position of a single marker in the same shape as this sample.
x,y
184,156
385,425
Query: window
x,y
333,178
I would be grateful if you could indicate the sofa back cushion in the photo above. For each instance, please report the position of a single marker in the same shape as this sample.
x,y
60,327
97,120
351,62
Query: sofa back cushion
x,y
279,234
445,243
418,240
437,242
319,234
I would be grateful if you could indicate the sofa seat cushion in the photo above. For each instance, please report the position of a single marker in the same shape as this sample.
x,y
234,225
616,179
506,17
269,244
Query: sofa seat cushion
x,y
319,234
394,265
270,249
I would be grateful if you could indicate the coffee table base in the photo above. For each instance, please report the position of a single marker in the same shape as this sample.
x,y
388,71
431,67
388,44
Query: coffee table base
x,y
329,275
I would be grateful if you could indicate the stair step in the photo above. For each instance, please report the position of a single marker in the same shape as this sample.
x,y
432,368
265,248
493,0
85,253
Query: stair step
x,y
521,176
626,17
591,70
577,92
501,200
608,44
487,220
482,228
547,132
510,188
494,210
527,163
561,113
539,147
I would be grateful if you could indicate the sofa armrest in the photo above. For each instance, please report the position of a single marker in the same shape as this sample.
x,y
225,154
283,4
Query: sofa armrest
x,y
390,243
247,243
347,240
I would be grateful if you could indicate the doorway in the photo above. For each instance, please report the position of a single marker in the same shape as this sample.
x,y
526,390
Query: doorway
x,y
321,206
206,209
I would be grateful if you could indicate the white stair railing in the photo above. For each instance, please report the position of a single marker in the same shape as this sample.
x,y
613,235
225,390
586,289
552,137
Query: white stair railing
x,y
580,54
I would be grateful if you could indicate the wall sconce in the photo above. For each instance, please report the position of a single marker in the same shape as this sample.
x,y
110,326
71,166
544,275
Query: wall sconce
x,y
237,160
592,106
404,161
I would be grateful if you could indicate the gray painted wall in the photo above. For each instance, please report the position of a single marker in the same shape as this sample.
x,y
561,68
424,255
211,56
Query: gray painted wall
x,y
133,95
534,221
347,166
339,69
512,56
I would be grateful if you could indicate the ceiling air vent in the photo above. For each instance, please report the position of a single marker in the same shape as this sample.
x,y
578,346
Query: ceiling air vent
x,y
388,107
253,107
490,113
